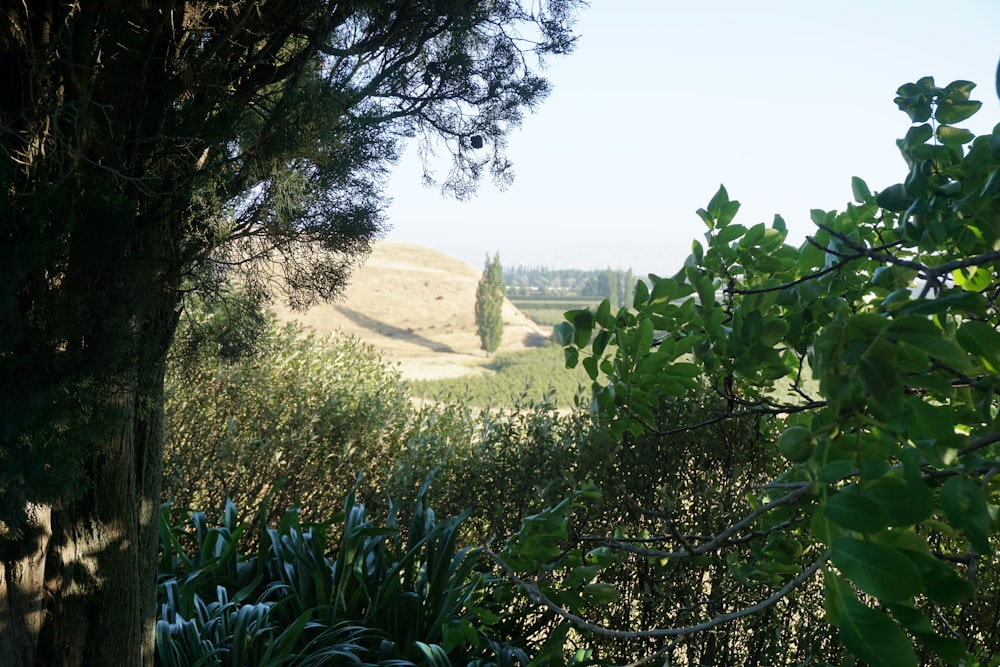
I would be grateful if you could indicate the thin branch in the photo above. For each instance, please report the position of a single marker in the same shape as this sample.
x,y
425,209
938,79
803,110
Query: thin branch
x,y
798,490
539,598
754,410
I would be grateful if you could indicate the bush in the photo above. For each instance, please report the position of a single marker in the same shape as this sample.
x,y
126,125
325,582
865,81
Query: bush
x,y
312,412
320,411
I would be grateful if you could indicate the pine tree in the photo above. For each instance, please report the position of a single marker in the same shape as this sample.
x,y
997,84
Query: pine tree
x,y
489,305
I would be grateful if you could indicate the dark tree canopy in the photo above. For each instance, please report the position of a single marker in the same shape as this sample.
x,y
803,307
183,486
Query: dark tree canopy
x,y
150,147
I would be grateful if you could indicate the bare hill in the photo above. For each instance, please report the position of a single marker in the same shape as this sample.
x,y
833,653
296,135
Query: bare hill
x,y
417,305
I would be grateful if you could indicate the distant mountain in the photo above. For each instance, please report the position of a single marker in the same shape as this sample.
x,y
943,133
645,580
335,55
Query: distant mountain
x,y
417,306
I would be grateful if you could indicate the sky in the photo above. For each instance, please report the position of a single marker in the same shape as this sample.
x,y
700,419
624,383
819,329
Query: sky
x,y
662,101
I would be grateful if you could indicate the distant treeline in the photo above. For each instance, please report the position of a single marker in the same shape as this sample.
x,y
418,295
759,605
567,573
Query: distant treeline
x,y
527,281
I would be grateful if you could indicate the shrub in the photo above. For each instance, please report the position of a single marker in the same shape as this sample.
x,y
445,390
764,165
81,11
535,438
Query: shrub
x,y
314,412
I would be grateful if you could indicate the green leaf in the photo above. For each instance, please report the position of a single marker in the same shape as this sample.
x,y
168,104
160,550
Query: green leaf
x,y
954,136
955,300
706,218
683,369
973,278
951,650
719,200
944,585
641,296
855,512
603,315
753,236
895,198
904,503
728,234
963,503
664,290
860,190
960,89
892,277
877,569
915,99
751,327
927,338
874,637
952,111
883,383
583,326
600,594
774,331
564,333
916,135
982,341
571,356
601,341
643,338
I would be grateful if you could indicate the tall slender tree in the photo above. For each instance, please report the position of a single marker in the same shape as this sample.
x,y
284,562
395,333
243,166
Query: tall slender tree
x,y
489,305
146,147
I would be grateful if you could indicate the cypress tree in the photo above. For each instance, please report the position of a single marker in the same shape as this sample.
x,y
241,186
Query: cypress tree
x,y
489,305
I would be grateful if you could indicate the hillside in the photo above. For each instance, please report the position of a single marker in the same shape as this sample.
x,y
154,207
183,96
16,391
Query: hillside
x,y
417,306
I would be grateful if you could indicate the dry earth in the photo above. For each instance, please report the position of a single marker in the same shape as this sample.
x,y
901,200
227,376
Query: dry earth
x,y
417,306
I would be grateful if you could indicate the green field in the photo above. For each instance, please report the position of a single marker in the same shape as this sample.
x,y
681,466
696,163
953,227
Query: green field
x,y
533,373
548,311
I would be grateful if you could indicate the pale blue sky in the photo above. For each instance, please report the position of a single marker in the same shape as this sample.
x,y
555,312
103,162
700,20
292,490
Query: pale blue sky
x,y
783,101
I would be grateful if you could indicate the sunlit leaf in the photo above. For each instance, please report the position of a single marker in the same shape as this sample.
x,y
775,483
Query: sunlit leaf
x,y
952,111
953,136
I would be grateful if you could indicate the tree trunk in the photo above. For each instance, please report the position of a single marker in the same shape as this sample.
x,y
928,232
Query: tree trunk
x,y
22,590
79,584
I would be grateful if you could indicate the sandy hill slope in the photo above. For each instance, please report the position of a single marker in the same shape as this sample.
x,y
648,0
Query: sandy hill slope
x,y
418,306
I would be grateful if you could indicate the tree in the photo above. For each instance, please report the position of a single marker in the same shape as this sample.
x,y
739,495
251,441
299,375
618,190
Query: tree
x,y
489,305
872,350
149,147
613,277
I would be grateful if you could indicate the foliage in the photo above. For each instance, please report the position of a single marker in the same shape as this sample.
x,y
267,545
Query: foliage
x,y
313,412
890,307
489,305
533,373
533,449
383,596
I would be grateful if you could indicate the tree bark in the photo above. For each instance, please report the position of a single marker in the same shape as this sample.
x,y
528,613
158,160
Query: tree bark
x,y
78,585
22,590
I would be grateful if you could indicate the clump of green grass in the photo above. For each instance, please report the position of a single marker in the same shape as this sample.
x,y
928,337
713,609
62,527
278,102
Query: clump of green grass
x,y
533,373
